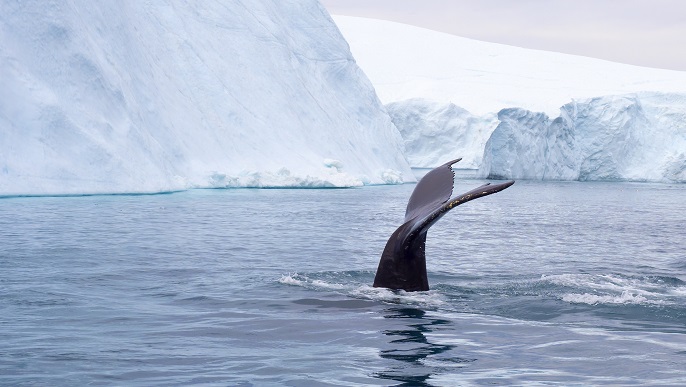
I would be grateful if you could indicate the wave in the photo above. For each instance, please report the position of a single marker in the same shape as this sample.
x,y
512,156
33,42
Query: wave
x,y
593,299
328,282
591,289
595,289
611,300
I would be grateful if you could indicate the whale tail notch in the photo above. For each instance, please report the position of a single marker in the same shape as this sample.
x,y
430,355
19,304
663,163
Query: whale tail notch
x,y
403,261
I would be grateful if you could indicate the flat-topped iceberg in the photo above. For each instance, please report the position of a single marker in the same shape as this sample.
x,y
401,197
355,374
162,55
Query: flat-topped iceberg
x,y
443,93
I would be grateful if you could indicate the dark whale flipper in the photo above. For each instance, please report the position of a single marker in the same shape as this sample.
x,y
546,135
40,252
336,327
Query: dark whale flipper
x,y
403,262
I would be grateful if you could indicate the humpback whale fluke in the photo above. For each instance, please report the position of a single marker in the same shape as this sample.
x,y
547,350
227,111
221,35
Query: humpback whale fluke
x,y
403,263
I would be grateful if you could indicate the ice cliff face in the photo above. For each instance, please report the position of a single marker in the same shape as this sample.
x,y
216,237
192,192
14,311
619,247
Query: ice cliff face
x,y
637,137
133,96
517,126
436,132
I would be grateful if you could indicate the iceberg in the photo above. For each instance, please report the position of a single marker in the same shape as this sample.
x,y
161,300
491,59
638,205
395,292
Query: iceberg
x,y
434,132
633,137
143,97
442,91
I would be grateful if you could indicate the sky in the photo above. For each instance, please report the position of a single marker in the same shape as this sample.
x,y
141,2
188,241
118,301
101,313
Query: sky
x,y
650,33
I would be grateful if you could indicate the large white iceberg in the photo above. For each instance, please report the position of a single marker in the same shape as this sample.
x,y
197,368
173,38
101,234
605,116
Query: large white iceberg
x,y
636,137
442,91
150,96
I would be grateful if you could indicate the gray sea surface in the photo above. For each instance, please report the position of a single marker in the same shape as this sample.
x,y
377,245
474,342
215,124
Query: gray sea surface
x,y
544,283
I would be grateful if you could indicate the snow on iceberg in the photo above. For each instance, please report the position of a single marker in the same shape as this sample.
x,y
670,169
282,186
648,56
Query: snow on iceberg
x,y
635,137
405,62
133,96
434,132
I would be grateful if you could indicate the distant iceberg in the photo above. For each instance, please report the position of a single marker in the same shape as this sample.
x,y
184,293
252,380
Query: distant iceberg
x,y
635,137
442,92
632,137
151,96
434,132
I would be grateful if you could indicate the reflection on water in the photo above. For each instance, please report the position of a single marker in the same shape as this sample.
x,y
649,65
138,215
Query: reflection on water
x,y
411,347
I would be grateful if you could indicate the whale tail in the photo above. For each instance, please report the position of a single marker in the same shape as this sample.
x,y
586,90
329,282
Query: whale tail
x,y
403,261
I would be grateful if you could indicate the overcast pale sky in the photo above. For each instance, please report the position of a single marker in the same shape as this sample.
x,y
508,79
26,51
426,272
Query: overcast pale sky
x,y
648,33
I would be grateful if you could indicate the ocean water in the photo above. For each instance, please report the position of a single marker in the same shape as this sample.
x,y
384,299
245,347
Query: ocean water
x,y
541,284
